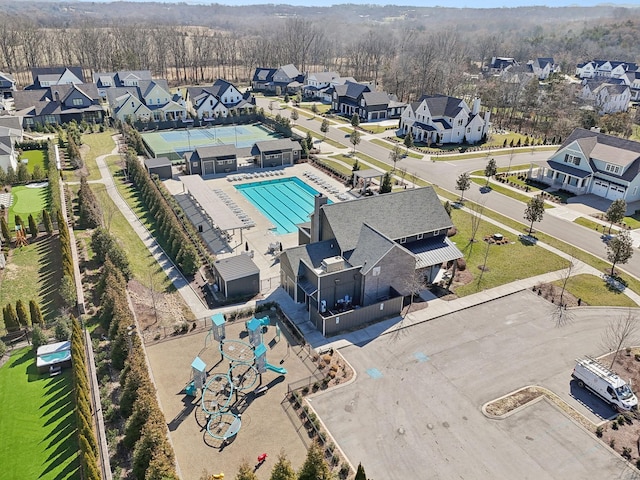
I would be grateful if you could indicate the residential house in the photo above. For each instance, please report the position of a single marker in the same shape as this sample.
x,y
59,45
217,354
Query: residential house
x,y
604,68
543,67
212,160
149,100
442,119
325,94
285,79
276,153
499,64
633,80
607,95
7,85
59,104
356,260
591,162
122,78
8,153
361,98
218,100
52,76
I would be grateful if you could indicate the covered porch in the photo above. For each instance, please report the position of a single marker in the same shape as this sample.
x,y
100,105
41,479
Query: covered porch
x,y
561,176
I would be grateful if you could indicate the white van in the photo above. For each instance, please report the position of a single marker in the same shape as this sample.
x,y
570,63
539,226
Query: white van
x,y
591,374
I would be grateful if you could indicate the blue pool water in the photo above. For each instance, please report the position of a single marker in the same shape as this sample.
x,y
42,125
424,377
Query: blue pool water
x,y
286,202
56,356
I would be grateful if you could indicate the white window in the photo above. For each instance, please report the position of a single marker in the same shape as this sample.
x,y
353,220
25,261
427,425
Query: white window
x,y
436,233
77,101
403,240
568,158
635,190
420,236
612,168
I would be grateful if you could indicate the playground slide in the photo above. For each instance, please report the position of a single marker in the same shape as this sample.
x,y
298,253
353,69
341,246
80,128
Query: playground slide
x,y
264,321
273,368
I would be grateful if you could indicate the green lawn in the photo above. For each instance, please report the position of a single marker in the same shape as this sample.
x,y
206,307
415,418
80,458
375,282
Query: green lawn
x,y
321,107
389,146
338,166
27,201
333,143
594,292
35,157
492,153
33,273
99,144
496,187
506,263
586,222
513,168
37,422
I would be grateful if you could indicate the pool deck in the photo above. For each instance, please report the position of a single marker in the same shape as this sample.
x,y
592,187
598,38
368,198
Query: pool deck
x,y
260,236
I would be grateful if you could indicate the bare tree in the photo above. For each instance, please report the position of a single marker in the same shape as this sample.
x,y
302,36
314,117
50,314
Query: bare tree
x,y
414,284
477,210
560,313
620,331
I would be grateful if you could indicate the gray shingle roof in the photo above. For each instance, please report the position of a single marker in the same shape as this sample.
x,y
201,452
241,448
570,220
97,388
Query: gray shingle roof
x,y
157,162
236,267
442,105
215,151
376,98
395,215
312,254
371,247
275,145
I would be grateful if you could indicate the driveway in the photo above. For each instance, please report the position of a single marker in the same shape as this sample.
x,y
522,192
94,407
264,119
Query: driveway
x,y
414,410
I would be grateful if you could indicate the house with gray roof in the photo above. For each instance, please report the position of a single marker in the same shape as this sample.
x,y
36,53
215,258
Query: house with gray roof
x,y
591,162
442,119
212,160
59,104
44,77
604,68
8,153
542,67
147,100
606,95
121,78
276,153
286,79
361,98
7,85
217,100
357,260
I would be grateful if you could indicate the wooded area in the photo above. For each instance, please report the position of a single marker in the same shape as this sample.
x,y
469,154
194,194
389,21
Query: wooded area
x,y
405,51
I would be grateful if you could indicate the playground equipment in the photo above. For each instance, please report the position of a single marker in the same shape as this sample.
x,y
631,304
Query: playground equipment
x,y
224,425
217,394
261,361
218,476
262,458
198,377
217,330
243,376
237,351
254,329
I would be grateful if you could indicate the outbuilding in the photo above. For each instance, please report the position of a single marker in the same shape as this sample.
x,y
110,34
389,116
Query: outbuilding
x,y
236,276
160,166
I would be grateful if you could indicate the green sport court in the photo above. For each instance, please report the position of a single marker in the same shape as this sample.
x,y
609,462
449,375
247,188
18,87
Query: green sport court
x,y
174,143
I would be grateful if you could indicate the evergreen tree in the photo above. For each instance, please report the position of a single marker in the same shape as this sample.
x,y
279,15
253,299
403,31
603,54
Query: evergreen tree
x,y
463,183
386,183
490,170
616,212
4,226
38,338
283,470
354,138
48,225
360,475
33,227
309,140
10,318
245,472
324,128
619,249
314,467
534,211
355,120
23,315
408,140
23,173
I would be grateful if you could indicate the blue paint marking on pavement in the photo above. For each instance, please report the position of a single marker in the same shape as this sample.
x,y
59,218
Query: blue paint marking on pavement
x,y
421,357
374,373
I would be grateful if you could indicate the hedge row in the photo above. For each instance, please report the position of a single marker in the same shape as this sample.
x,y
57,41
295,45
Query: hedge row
x,y
171,233
68,285
84,420
145,425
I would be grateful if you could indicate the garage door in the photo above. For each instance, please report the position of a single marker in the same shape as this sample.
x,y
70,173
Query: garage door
x,y
615,192
600,188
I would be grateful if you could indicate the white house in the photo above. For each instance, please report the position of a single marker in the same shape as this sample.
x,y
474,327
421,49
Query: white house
x,y
604,68
8,153
50,77
607,95
442,119
543,67
218,100
148,100
122,78
592,162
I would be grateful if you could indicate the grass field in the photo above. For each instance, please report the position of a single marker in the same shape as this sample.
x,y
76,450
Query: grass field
x,y
506,263
37,422
389,146
35,157
99,144
594,292
33,273
27,201
496,187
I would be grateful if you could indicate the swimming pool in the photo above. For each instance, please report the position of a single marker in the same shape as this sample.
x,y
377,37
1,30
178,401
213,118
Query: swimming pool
x,y
286,202
53,358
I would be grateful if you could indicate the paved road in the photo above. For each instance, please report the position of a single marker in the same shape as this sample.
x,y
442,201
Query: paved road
x,y
415,406
445,173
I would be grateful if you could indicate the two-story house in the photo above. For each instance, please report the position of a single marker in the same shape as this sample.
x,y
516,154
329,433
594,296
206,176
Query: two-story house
x,y
285,79
591,162
122,78
51,76
8,153
607,95
356,260
361,98
148,100
442,119
542,67
59,104
218,100
499,64
604,68
7,85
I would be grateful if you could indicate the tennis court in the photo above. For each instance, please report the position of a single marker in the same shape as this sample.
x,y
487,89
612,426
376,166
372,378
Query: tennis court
x,y
174,143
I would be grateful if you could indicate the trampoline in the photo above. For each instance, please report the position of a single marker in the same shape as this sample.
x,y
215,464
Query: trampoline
x,y
217,394
237,351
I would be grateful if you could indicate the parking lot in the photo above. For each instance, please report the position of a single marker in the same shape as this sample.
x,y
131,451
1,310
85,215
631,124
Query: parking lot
x,y
414,410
